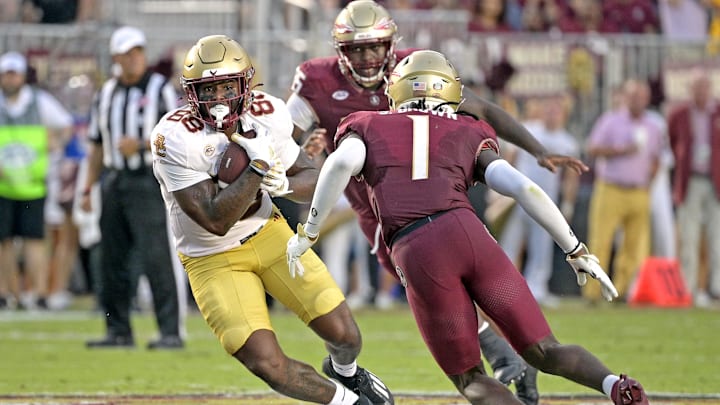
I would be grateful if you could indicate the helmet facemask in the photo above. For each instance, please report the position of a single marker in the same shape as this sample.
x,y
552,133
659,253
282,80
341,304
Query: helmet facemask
x,y
219,113
212,60
364,23
353,70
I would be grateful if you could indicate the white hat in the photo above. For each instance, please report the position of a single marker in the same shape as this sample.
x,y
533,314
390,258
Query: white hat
x,y
125,39
13,62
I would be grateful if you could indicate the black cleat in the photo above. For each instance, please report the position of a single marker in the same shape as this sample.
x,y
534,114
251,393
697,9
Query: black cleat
x,y
508,372
111,341
507,365
526,387
363,400
365,384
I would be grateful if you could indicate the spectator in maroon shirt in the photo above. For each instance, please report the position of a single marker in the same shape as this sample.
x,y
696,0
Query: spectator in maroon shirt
x,y
632,16
489,16
586,16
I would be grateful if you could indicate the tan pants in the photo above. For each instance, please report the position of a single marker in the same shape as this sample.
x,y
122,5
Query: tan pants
x,y
613,209
698,216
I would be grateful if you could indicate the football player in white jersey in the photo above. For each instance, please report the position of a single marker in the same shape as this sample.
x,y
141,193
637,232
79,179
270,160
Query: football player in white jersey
x,y
230,237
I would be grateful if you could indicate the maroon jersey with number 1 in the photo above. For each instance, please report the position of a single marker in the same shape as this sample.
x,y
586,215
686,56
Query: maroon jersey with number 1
x,y
421,163
418,162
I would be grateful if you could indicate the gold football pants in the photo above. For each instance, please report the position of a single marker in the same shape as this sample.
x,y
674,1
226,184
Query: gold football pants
x,y
229,287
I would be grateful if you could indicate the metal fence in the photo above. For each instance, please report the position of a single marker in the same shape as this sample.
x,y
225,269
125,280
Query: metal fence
x,y
281,34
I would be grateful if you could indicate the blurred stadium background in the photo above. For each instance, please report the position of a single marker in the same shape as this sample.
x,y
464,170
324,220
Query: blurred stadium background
x,y
279,34
509,68
72,59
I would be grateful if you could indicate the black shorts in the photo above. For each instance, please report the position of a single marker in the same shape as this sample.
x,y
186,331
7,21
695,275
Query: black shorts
x,y
25,219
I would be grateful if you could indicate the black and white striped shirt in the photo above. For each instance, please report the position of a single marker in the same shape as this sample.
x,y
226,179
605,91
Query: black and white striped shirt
x,y
121,111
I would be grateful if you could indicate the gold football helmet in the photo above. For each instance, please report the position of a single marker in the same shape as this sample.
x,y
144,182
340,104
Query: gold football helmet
x,y
425,76
364,22
217,58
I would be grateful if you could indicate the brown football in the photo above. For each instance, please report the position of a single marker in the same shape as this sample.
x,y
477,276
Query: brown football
x,y
234,161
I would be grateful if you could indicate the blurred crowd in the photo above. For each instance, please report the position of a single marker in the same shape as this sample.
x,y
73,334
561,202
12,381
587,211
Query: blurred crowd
x,y
691,19
653,189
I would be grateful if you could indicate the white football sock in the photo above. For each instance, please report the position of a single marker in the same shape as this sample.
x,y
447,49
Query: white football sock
x,y
608,383
345,370
343,396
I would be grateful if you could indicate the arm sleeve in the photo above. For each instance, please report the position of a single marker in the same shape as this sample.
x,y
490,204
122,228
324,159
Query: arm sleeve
x,y
303,115
285,146
347,161
506,180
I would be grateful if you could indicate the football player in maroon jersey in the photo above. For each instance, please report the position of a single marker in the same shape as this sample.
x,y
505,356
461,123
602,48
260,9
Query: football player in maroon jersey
x,y
327,89
418,161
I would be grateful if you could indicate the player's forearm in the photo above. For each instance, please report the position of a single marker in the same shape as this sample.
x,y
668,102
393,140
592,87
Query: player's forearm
x,y
512,131
504,124
333,179
217,211
302,185
506,180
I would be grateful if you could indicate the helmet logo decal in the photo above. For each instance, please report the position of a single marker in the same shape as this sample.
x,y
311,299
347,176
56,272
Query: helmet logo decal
x,y
340,95
437,86
343,28
419,86
384,24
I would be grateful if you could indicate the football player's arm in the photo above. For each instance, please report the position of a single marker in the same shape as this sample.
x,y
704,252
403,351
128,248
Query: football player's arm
x,y
306,131
312,142
302,177
218,210
502,177
512,131
347,160
506,180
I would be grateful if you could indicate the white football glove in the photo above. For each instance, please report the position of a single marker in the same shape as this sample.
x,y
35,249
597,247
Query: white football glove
x,y
258,148
586,264
275,181
296,247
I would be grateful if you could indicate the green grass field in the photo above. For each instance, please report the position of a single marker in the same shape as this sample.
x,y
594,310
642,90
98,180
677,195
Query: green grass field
x,y
674,353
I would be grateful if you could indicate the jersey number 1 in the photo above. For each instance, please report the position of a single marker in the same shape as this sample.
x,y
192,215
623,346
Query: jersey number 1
x,y
421,146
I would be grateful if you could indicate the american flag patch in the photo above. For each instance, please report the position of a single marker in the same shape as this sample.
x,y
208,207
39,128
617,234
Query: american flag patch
x,y
419,86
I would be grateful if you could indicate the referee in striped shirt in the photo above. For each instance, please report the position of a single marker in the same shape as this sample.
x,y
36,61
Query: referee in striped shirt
x,y
133,217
